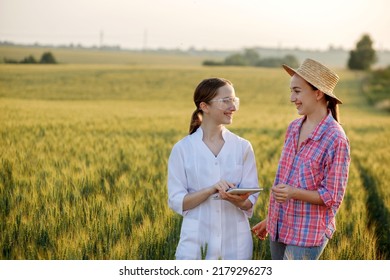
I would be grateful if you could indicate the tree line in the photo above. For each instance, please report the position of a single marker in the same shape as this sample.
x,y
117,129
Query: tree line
x,y
250,57
361,58
46,58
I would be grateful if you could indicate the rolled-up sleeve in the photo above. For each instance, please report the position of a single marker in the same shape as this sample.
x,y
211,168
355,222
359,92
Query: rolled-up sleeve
x,y
334,184
249,177
177,182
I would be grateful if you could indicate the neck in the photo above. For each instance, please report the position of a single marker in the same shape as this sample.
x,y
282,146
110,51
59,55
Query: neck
x,y
211,132
317,116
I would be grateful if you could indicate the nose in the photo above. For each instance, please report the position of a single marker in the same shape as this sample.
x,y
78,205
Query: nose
x,y
231,108
231,105
234,107
293,97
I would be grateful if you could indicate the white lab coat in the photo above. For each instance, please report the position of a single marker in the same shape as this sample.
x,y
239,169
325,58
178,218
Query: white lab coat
x,y
217,224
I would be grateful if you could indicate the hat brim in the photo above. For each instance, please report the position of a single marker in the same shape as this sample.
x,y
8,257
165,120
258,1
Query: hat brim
x,y
289,70
292,72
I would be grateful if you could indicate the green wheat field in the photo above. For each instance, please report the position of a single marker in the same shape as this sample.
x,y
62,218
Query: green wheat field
x,y
84,150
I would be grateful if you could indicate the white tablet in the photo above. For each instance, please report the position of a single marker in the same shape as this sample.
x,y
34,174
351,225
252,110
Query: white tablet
x,y
244,190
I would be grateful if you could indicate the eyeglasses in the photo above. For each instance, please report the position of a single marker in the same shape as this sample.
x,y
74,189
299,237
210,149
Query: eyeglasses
x,y
227,102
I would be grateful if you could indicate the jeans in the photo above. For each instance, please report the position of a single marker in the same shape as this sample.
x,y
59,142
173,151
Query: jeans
x,y
281,251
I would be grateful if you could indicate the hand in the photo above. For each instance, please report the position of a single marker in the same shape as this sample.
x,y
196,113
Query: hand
x,y
236,197
260,230
222,186
239,200
282,192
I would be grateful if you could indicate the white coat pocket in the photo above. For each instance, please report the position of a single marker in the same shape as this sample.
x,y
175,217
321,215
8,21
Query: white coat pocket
x,y
189,245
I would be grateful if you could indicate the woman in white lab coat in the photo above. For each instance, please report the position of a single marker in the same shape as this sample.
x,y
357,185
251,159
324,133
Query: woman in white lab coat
x,y
201,167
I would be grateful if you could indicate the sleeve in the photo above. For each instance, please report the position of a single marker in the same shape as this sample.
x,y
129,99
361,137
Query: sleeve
x,y
249,175
177,181
333,185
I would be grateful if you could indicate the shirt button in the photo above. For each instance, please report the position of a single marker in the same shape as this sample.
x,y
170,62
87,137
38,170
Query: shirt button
x,y
216,163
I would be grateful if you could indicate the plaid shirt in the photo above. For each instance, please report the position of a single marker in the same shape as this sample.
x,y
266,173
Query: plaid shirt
x,y
322,164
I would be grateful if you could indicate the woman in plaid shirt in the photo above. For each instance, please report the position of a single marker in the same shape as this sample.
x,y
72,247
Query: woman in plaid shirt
x,y
313,169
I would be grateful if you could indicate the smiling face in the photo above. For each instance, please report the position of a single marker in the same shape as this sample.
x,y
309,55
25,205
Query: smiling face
x,y
303,95
222,107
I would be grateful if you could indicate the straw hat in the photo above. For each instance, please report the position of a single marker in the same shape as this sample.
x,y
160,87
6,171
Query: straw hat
x,y
318,75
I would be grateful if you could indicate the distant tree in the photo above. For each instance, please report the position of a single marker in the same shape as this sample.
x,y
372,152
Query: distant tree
x,y
29,60
270,62
236,59
363,56
10,60
290,60
48,58
212,63
251,56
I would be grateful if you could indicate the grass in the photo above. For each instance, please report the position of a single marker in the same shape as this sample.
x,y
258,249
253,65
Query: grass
x,y
84,152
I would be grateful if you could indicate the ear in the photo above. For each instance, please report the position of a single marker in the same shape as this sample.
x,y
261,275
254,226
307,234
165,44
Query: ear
x,y
204,107
319,95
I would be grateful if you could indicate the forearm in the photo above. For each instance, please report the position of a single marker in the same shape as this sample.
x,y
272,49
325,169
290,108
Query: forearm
x,y
192,200
245,205
312,197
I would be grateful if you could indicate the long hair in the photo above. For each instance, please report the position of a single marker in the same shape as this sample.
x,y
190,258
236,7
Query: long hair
x,y
332,104
204,92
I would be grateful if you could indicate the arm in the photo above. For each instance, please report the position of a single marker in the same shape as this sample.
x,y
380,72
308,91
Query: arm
x,y
191,200
249,180
240,201
179,198
334,184
177,180
283,192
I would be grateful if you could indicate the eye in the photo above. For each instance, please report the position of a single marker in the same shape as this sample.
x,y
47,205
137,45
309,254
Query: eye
x,y
227,100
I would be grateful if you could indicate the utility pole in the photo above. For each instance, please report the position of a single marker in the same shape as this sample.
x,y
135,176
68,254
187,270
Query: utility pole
x,y
145,39
101,39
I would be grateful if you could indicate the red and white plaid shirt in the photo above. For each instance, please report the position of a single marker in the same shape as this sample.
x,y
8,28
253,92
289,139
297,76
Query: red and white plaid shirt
x,y
322,164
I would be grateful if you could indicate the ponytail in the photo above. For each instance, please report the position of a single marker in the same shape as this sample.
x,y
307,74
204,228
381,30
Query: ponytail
x,y
332,104
196,120
333,107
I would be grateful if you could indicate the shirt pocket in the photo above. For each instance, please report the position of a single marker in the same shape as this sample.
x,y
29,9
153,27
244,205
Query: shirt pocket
x,y
309,175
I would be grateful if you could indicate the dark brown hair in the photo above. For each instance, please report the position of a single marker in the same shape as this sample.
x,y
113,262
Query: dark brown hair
x,y
204,92
331,104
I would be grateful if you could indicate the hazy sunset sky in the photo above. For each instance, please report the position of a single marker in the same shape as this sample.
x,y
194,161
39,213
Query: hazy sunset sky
x,y
210,24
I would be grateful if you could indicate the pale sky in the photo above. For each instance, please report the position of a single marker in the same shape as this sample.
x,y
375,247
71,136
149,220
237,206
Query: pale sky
x,y
209,24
